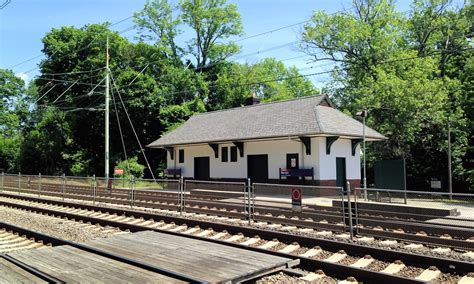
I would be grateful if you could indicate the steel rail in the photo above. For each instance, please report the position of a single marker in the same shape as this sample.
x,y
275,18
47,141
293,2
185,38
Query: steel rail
x,y
28,268
170,196
370,221
444,264
331,269
54,241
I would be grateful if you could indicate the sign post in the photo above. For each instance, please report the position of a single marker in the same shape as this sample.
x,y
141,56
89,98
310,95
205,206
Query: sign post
x,y
296,199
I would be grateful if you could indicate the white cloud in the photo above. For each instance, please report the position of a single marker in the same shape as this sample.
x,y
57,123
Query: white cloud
x,y
23,76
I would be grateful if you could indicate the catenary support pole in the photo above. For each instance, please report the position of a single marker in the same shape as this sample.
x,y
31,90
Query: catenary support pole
x,y
39,185
94,188
64,185
349,205
181,195
107,110
249,200
450,178
364,114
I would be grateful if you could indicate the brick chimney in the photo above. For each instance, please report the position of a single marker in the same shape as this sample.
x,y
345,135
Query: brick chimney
x,y
253,100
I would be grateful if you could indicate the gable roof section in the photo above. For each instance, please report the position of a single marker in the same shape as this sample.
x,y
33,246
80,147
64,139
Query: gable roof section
x,y
296,117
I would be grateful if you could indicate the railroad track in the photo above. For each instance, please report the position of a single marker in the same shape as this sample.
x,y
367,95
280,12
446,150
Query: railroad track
x,y
365,263
13,241
396,226
39,238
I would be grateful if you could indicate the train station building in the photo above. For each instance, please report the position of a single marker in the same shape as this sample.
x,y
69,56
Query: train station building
x,y
279,142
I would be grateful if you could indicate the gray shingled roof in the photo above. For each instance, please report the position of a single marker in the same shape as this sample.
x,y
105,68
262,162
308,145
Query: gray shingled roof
x,y
297,117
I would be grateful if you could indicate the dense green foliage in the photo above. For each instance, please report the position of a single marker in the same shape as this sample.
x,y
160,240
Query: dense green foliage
x,y
12,113
159,85
413,72
409,72
131,168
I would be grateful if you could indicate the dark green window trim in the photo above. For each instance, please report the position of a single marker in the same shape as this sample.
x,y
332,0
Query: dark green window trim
x,y
225,154
233,154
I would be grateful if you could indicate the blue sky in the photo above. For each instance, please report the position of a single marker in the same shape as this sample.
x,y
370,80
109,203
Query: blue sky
x,y
24,22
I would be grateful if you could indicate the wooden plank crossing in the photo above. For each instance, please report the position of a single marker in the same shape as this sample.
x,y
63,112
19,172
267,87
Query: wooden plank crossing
x,y
73,265
203,260
10,273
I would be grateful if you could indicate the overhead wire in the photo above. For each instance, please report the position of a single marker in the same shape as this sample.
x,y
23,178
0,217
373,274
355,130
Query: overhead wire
x,y
74,83
62,94
39,55
306,75
68,81
133,128
47,92
120,130
72,72
76,51
138,74
89,93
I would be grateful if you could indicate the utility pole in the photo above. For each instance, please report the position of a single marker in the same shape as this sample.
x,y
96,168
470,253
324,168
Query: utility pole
x,y
363,114
450,179
363,142
107,99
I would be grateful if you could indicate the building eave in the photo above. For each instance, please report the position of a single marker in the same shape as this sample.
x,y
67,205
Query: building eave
x,y
268,138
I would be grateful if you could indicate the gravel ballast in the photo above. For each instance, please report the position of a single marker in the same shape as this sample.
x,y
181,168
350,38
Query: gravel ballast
x,y
53,226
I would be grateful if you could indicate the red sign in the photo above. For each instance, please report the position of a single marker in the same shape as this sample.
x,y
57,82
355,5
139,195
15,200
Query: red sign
x,y
296,199
118,171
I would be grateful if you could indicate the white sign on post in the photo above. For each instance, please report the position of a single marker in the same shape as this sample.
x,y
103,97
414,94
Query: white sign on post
x,y
293,162
436,184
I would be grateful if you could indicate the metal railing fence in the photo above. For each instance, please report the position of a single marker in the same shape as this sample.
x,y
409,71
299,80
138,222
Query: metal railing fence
x,y
387,208
322,204
231,199
346,210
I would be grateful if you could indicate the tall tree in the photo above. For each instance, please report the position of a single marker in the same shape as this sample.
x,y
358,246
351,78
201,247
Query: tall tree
x,y
391,65
13,109
158,24
72,81
47,146
212,22
269,79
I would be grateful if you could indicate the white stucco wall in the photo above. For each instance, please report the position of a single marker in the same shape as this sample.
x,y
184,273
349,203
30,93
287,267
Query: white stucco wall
x,y
324,165
340,148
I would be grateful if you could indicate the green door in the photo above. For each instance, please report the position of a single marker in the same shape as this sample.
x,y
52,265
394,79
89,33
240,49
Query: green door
x,y
341,172
257,168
